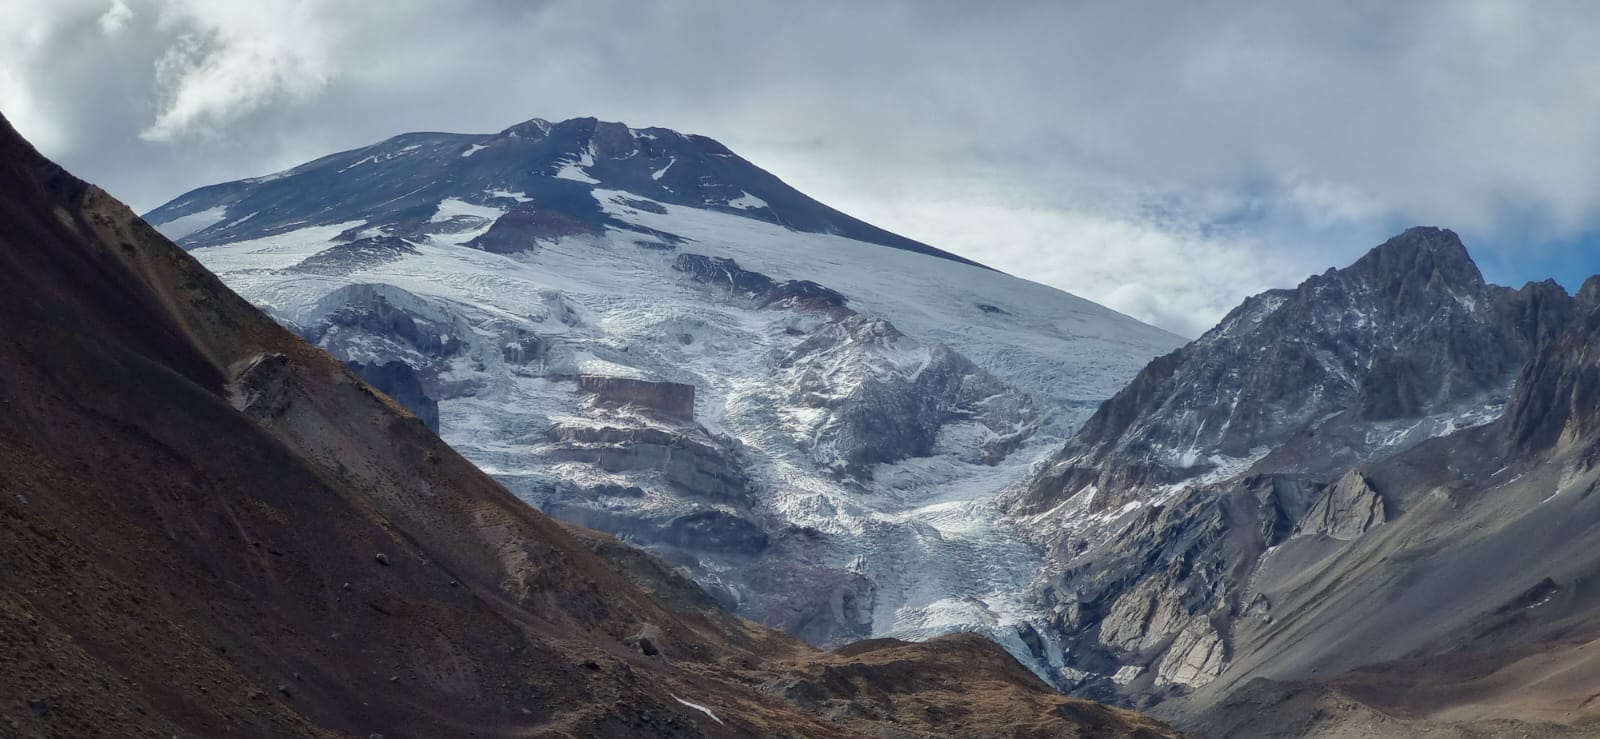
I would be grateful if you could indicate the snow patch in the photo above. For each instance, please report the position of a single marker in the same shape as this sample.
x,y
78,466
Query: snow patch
x,y
700,708
363,160
270,177
182,226
517,196
475,148
747,202
575,172
452,207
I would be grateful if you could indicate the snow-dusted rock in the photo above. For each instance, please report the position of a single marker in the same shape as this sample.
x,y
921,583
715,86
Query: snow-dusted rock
x,y
1407,343
1235,458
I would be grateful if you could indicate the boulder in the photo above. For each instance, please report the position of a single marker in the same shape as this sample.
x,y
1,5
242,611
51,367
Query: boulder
x,y
1348,509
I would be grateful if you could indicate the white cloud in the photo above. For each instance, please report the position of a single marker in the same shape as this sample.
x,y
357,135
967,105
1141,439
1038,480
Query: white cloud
x,y
115,18
1154,267
1165,158
231,59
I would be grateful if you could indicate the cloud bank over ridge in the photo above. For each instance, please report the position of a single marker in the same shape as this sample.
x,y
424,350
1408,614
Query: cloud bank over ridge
x,y
1166,160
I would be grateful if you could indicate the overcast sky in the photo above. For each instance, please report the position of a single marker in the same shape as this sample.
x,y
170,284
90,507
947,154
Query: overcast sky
x,y
1164,158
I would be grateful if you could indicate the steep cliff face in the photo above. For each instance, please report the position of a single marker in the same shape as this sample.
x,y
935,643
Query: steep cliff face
x,y
1558,391
209,527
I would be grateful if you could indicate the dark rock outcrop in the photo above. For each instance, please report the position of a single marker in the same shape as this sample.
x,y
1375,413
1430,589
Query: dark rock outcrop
x,y
648,206
520,347
715,531
357,255
693,462
726,274
666,399
1557,400
524,226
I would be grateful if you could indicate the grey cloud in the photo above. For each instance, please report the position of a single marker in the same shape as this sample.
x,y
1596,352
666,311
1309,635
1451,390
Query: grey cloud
x,y
1163,158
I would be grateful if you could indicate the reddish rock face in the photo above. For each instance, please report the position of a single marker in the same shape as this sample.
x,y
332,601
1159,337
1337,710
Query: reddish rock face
x,y
523,227
670,399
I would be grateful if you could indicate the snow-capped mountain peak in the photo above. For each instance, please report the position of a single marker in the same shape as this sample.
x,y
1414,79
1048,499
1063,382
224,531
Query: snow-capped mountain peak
x,y
549,168
641,332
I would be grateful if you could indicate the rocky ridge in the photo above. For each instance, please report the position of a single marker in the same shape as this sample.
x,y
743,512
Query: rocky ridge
x,y
1403,345
1212,526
